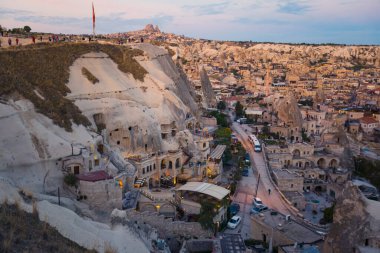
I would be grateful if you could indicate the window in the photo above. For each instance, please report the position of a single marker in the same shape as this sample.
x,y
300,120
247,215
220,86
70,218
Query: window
x,y
204,144
96,162
291,186
118,142
143,171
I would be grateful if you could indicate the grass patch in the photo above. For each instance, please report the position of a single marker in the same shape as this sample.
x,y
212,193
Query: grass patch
x,y
89,76
24,232
45,67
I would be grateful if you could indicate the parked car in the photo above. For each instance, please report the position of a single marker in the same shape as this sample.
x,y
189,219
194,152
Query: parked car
x,y
257,202
258,209
234,208
234,222
245,173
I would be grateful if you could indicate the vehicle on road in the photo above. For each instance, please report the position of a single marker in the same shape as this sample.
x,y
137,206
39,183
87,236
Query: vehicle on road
x,y
234,208
257,202
255,142
234,222
258,209
245,172
242,120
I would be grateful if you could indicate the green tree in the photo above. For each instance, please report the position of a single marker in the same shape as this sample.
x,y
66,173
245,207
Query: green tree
x,y
221,105
70,179
206,216
221,118
239,109
223,132
328,214
27,28
265,129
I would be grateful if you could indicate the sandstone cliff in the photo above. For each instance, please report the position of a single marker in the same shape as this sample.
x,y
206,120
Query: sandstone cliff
x,y
356,219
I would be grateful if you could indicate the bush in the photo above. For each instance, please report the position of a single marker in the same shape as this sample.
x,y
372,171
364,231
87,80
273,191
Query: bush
x,y
89,76
70,179
328,214
368,169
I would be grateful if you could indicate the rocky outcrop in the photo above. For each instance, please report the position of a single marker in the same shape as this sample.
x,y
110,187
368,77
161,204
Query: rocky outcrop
x,y
288,111
208,92
151,28
356,220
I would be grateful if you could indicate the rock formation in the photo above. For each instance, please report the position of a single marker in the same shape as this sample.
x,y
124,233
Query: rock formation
x,y
288,111
356,221
208,92
150,28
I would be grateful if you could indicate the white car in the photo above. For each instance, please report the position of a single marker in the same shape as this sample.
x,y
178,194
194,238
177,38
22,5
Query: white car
x,y
257,202
234,222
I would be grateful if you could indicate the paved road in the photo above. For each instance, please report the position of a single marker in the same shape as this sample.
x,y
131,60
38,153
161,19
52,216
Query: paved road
x,y
246,189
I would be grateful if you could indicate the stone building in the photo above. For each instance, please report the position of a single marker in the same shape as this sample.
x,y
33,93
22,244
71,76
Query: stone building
x,y
98,187
282,229
287,181
152,167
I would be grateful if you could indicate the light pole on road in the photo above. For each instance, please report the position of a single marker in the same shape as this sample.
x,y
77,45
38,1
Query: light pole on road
x,y
257,185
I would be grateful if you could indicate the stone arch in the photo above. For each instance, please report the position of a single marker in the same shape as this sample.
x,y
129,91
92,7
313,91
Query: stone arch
x,y
167,210
296,153
177,163
333,163
322,163
148,208
307,164
163,164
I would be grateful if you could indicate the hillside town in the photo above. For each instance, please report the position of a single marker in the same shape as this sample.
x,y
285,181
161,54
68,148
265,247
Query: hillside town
x,y
200,146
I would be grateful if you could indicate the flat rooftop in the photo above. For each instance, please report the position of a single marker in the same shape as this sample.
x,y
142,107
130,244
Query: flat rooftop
x,y
212,190
291,229
285,174
301,248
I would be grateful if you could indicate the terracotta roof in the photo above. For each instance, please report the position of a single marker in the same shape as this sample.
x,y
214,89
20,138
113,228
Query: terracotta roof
x,y
368,120
94,176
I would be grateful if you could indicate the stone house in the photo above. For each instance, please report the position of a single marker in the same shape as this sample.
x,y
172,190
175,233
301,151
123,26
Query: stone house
x,y
98,187
288,181
368,124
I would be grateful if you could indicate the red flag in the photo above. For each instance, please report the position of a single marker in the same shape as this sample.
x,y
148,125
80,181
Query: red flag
x,y
93,16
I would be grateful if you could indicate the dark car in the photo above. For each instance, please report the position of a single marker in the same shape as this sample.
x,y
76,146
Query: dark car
x,y
245,173
234,208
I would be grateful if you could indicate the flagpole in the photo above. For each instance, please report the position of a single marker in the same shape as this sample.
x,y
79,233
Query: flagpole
x,y
93,20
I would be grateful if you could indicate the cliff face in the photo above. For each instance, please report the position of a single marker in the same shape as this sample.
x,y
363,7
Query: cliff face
x,y
136,111
288,111
208,92
355,220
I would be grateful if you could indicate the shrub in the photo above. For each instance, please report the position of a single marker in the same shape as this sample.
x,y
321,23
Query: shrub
x,y
70,179
89,76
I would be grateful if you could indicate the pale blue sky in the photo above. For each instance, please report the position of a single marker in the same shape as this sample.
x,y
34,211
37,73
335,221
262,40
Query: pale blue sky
x,y
313,21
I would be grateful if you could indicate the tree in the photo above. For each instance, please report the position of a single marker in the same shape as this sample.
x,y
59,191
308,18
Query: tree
x,y
265,129
223,132
70,179
27,28
239,109
221,105
206,216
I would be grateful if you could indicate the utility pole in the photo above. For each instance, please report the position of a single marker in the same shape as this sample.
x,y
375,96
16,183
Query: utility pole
x,y
59,197
257,184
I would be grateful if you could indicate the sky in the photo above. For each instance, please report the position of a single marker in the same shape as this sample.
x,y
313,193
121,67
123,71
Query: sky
x,y
288,21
